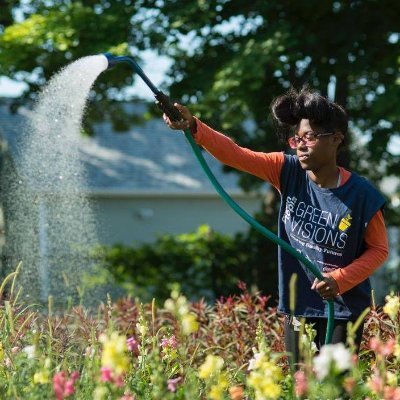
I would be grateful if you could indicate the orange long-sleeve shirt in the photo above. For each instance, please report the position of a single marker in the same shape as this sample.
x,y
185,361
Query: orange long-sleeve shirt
x,y
268,166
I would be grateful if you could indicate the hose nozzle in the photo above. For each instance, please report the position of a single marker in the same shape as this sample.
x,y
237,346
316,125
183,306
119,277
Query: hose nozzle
x,y
163,100
112,60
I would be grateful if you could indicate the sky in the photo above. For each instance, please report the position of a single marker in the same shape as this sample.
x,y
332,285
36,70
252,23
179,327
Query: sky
x,y
154,66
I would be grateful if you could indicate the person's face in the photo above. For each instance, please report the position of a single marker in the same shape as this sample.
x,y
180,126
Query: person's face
x,y
316,151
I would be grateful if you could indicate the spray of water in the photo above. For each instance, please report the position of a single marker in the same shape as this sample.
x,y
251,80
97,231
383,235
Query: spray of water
x,y
50,225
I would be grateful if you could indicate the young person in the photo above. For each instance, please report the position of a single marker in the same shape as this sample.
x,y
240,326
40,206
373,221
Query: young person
x,y
329,214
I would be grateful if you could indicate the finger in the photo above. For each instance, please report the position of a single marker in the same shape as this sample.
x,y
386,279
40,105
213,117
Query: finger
x,y
180,107
314,284
321,285
184,111
181,125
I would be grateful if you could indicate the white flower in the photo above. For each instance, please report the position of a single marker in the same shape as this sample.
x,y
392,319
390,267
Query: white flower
x,y
305,341
256,360
30,351
342,357
336,354
169,305
392,306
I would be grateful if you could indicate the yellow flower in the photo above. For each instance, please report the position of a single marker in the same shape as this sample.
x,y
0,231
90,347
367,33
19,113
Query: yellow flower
x,y
189,324
41,377
397,351
169,305
211,365
142,329
99,393
217,390
264,377
1,352
391,379
392,306
114,354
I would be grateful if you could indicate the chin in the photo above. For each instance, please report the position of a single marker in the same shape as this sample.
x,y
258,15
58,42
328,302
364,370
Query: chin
x,y
305,165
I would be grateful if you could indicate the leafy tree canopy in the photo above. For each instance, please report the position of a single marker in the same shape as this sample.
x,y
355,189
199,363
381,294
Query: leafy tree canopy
x,y
231,58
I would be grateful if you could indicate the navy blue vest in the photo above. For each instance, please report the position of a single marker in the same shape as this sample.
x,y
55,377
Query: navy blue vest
x,y
327,226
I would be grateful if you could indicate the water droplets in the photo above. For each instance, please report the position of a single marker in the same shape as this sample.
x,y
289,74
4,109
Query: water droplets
x,y
52,220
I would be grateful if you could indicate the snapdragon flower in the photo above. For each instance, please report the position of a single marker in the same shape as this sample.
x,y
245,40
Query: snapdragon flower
x,y
332,356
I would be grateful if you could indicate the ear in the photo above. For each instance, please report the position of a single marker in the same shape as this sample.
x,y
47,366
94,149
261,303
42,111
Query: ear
x,y
338,137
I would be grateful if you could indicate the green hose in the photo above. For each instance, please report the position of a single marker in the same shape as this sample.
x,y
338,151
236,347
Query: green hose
x,y
168,108
260,228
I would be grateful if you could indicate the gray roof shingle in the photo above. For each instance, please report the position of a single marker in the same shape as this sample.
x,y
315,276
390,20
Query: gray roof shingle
x,y
147,158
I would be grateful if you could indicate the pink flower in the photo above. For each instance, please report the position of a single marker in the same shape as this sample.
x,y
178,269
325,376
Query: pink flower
x,y
75,375
106,374
388,347
349,384
69,387
127,396
133,345
173,384
376,383
380,348
374,344
301,385
15,349
58,385
118,380
169,342
391,393
62,386
173,342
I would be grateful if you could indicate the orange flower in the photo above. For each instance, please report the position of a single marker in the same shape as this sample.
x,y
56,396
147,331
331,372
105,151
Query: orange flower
x,y
236,392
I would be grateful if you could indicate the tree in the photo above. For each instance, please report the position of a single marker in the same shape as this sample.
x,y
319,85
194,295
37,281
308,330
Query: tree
x,y
53,34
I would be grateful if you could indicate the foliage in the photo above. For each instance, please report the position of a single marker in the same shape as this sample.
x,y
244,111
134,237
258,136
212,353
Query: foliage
x,y
232,350
205,263
53,34
240,55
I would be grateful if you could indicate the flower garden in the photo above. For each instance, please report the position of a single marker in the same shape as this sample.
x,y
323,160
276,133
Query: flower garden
x,y
232,349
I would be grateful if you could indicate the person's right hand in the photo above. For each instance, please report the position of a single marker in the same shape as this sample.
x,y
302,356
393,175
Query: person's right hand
x,y
187,121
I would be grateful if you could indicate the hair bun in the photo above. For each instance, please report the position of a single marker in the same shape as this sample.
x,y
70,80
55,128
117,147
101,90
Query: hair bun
x,y
284,109
290,108
313,106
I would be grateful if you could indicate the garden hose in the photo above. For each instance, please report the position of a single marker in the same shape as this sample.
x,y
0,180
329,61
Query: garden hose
x,y
174,115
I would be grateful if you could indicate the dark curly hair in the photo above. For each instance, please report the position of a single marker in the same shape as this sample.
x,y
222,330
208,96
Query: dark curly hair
x,y
289,109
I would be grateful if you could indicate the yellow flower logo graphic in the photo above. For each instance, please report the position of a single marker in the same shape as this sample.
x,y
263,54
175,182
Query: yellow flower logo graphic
x,y
345,223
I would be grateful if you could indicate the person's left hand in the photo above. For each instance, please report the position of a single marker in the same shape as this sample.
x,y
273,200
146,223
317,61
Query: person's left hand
x,y
328,289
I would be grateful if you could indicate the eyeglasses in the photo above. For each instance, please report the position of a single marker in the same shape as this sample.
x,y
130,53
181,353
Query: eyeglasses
x,y
309,139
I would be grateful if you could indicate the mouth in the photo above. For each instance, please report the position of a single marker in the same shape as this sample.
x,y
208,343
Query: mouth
x,y
303,157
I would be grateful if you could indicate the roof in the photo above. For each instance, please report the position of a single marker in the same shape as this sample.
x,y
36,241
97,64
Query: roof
x,y
149,157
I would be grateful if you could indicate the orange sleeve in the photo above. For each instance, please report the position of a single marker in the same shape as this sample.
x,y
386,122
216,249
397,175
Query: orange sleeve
x,y
266,166
374,256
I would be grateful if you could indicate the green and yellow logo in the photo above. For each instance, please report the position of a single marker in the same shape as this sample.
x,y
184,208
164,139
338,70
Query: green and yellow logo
x,y
345,223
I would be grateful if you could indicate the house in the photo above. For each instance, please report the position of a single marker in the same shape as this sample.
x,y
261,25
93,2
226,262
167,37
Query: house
x,y
145,182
